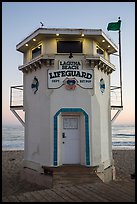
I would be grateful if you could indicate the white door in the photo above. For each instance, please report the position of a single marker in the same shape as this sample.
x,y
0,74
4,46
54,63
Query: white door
x,y
70,140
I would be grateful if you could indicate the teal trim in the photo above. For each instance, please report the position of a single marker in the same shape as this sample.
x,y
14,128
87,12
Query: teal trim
x,y
69,110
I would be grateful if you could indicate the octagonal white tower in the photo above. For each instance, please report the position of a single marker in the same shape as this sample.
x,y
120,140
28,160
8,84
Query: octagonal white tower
x,y
66,98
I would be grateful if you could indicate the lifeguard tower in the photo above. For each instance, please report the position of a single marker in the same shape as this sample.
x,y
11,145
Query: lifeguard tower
x,y
67,99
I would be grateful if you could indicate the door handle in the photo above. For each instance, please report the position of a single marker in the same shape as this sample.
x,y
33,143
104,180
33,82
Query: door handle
x,y
63,135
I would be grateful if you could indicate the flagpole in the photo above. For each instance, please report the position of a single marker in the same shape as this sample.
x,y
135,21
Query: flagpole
x,y
120,64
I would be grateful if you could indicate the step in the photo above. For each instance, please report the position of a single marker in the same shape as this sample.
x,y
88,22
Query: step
x,y
75,179
72,174
69,169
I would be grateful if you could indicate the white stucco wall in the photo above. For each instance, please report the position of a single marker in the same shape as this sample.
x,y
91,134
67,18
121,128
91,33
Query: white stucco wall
x,y
79,98
37,108
41,107
87,46
101,112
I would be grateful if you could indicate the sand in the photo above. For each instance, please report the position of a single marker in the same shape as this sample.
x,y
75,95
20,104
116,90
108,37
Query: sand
x,y
12,184
124,161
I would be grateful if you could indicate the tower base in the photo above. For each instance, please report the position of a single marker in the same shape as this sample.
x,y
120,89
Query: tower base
x,y
67,175
107,174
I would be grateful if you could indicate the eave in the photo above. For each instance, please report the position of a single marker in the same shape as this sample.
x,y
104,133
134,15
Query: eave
x,y
42,33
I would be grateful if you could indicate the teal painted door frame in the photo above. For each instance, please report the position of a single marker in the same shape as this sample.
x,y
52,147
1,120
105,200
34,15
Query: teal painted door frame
x,y
71,110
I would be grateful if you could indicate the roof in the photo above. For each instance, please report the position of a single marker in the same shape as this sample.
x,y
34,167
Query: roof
x,y
96,34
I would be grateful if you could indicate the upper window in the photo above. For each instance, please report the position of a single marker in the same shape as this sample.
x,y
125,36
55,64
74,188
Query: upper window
x,y
99,50
69,46
36,51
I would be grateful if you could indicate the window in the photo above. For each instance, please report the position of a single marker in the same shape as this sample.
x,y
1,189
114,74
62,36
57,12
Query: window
x,y
99,50
70,123
36,52
69,46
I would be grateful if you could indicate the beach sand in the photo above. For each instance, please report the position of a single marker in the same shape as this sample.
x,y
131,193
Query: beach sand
x,y
124,162
12,184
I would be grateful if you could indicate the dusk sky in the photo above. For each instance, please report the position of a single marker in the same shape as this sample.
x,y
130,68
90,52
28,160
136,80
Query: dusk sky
x,y
19,19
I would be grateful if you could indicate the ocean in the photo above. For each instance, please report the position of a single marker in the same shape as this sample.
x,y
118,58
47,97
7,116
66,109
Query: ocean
x,y
123,137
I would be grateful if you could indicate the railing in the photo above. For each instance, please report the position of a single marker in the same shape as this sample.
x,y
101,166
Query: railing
x,y
16,96
116,96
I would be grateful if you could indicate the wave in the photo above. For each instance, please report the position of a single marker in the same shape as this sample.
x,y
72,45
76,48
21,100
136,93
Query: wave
x,y
123,143
13,137
123,135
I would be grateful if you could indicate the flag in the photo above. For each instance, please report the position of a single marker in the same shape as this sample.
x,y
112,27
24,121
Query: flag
x,y
114,26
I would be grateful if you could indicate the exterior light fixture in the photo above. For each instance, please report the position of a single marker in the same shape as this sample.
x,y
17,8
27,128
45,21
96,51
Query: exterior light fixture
x,y
108,45
103,40
57,34
26,45
34,39
82,34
